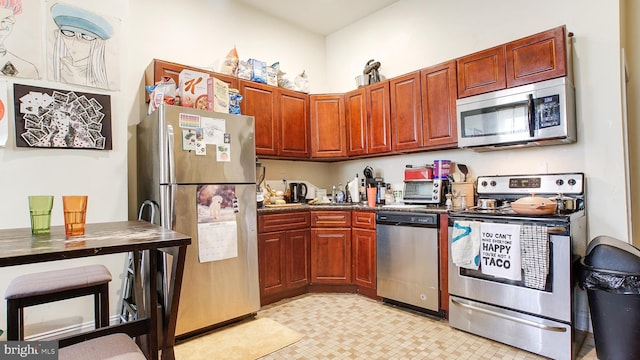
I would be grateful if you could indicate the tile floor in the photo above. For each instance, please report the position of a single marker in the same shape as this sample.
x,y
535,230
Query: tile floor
x,y
349,326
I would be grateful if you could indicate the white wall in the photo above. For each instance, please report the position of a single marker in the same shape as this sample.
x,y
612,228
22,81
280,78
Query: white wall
x,y
412,34
193,32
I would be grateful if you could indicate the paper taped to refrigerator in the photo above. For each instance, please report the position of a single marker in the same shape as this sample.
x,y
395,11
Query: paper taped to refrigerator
x,y
217,241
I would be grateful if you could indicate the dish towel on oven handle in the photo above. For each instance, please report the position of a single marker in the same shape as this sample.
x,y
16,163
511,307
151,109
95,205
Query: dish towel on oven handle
x,y
465,244
500,250
534,246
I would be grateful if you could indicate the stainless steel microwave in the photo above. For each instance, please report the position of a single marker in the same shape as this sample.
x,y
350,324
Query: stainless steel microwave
x,y
541,113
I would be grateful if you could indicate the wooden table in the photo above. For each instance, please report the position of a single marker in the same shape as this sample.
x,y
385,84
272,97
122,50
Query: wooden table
x,y
19,247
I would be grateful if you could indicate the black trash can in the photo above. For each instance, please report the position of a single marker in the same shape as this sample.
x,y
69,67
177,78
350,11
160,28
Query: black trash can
x,y
611,275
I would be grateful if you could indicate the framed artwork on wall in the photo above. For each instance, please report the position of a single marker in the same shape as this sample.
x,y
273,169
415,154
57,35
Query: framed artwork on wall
x,y
50,118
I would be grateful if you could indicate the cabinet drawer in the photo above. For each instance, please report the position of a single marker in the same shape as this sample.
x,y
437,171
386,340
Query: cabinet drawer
x,y
331,219
283,221
363,219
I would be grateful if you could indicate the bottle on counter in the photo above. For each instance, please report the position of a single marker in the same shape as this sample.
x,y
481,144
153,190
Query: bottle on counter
x,y
388,196
340,195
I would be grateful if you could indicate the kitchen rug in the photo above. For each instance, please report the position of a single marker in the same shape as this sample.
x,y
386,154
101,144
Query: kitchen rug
x,y
245,341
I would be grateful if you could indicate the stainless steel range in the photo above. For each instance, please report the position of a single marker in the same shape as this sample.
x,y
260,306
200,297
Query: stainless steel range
x,y
517,284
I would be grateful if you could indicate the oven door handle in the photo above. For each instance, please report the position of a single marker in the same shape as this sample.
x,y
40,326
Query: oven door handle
x,y
523,321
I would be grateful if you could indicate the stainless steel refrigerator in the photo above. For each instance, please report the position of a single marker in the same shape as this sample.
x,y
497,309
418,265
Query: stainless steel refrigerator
x,y
199,167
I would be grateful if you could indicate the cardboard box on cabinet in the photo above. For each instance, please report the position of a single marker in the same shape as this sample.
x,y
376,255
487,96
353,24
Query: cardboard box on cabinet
x,y
217,95
193,89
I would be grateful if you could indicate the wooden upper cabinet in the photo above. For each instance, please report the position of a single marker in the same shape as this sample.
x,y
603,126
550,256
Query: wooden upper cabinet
x,y
356,122
378,118
262,102
439,119
328,129
531,59
537,57
481,72
294,124
406,112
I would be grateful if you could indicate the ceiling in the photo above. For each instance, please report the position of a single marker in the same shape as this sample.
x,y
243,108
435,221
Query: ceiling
x,y
319,16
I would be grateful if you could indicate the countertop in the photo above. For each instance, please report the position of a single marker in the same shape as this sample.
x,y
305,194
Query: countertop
x,y
350,206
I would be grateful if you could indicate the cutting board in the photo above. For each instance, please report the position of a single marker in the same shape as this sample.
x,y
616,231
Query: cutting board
x,y
282,205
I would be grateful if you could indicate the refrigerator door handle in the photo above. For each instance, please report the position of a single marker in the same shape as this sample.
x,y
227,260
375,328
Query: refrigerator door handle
x,y
171,159
171,191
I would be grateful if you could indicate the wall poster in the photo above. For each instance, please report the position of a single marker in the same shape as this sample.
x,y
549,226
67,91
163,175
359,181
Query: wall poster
x,y
50,118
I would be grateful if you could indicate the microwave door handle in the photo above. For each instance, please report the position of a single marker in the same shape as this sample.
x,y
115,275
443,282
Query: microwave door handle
x,y
532,115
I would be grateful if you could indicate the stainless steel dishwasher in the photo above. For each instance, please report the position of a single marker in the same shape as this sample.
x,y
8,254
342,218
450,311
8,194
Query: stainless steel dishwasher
x,y
407,259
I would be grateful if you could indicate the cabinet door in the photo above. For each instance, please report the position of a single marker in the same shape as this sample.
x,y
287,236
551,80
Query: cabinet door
x,y
294,124
406,112
379,118
328,126
439,120
538,57
356,122
364,257
271,263
331,256
298,257
481,72
261,102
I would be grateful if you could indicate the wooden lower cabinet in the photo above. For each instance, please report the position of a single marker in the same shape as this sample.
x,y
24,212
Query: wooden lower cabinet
x,y
363,248
331,247
316,251
283,255
331,256
363,242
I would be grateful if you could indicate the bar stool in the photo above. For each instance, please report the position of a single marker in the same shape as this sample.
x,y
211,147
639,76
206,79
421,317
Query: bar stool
x,y
44,287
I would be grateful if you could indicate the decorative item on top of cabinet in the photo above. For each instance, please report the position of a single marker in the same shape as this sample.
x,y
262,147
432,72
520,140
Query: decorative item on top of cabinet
x,y
328,126
331,247
283,255
531,59
363,241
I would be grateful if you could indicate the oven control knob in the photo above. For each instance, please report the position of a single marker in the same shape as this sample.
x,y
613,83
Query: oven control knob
x,y
435,184
484,183
560,182
572,182
493,183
